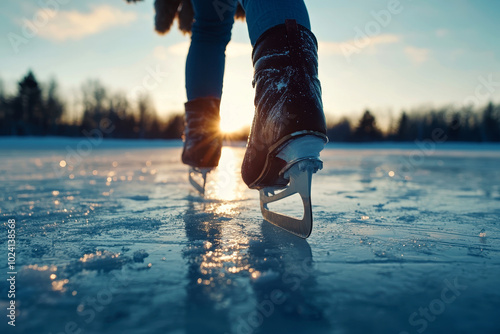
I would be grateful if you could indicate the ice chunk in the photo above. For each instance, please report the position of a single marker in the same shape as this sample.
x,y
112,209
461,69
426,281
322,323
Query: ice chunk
x,y
482,233
140,255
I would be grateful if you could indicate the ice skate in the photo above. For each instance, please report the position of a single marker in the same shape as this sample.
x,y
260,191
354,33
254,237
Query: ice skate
x,y
289,128
198,178
202,140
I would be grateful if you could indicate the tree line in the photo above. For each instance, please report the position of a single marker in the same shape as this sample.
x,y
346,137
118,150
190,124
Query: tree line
x,y
465,124
36,109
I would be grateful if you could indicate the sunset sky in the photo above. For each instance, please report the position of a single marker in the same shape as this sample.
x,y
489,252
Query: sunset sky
x,y
427,52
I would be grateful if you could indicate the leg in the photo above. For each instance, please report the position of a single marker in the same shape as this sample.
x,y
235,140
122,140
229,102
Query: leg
x,y
289,127
262,15
206,58
205,63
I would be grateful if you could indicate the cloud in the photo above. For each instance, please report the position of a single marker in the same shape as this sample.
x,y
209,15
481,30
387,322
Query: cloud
x,y
442,32
356,45
385,39
178,49
233,50
417,55
64,25
160,52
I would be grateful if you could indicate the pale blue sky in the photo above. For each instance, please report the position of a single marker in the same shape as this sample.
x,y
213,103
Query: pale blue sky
x,y
427,52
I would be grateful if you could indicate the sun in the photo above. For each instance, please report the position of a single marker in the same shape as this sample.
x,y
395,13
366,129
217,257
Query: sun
x,y
234,119
230,124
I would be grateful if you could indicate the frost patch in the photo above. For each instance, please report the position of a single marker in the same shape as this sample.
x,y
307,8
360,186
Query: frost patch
x,y
101,260
140,255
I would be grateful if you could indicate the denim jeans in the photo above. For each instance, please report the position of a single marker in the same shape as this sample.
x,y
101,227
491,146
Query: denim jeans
x,y
211,33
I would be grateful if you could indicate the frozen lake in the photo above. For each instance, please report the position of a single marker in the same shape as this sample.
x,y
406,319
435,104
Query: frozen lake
x,y
111,238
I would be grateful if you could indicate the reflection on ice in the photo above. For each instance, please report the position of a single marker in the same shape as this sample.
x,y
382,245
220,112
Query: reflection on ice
x,y
221,258
224,183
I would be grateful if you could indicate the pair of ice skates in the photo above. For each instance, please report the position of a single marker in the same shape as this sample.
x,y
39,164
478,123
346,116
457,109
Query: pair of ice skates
x,y
288,130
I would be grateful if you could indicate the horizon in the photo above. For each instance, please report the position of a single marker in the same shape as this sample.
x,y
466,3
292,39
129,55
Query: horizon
x,y
421,54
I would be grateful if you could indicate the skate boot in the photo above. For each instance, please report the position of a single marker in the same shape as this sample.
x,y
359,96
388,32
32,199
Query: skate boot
x,y
202,140
289,128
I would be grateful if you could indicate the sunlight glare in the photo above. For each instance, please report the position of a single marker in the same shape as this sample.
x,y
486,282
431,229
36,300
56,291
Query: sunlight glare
x,y
234,117
226,181
230,124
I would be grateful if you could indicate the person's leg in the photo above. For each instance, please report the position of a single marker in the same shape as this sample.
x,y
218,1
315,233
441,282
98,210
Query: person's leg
x,y
262,15
211,32
289,127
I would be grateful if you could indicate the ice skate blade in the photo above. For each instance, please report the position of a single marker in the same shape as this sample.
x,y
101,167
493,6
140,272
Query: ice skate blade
x,y
199,186
300,175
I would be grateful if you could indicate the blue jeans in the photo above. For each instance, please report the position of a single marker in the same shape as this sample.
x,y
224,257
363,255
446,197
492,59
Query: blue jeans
x,y
211,33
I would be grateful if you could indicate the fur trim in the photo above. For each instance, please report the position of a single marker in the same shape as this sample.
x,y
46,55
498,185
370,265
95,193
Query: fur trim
x,y
185,16
168,10
240,13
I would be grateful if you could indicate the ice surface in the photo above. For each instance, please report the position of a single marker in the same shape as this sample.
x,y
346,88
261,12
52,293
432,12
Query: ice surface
x,y
406,240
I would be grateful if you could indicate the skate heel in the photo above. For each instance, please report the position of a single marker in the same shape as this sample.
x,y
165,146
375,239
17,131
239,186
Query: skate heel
x,y
303,151
302,157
